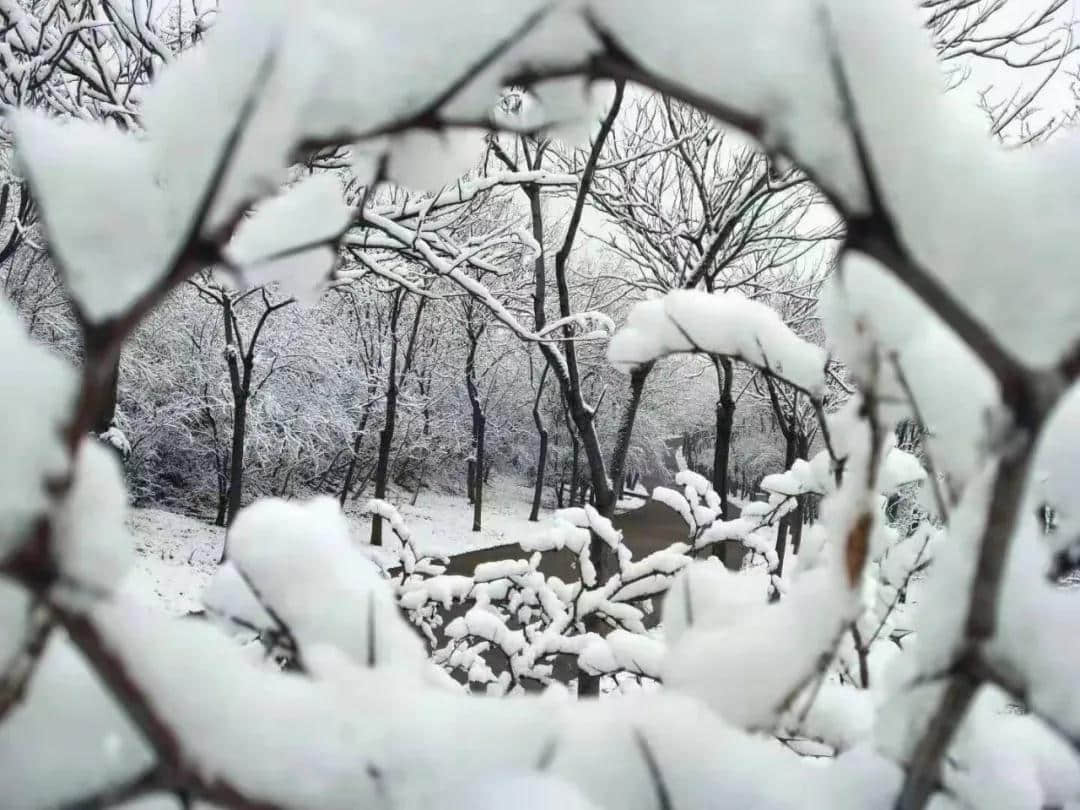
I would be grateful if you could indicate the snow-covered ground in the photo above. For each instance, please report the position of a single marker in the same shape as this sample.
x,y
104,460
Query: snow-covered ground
x,y
441,523
176,555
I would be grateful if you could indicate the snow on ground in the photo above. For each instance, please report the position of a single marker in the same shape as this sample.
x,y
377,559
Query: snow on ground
x,y
176,555
441,523
628,502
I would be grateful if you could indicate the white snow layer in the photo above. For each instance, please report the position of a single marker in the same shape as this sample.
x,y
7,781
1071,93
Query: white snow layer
x,y
299,558
38,392
722,323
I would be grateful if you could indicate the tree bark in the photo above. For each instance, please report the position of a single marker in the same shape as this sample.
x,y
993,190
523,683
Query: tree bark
x,y
236,457
358,440
789,430
725,419
393,385
478,499
574,465
802,450
234,361
386,434
476,466
541,460
107,412
626,429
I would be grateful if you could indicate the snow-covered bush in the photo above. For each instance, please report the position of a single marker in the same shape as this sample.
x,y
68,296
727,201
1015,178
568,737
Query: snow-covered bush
x,y
516,623
955,297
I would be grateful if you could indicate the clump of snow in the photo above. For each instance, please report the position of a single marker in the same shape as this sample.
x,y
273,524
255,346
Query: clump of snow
x,y
706,594
299,559
1056,470
115,438
840,716
313,212
735,669
38,391
92,181
676,502
955,394
790,88
530,791
620,650
92,545
723,323
230,598
426,160
68,738
15,608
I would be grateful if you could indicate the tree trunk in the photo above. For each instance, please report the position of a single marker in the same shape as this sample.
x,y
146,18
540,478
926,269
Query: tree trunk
x,y
106,414
386,435
541,464
626,429
358,439
786,521
236,458
802,451
419,480
238,384
222,489
574,474
382,464
478,493
476,466
725,418
427,451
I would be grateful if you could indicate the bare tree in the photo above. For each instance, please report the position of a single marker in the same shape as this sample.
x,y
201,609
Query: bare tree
x,y
397,372
240,356
1032,45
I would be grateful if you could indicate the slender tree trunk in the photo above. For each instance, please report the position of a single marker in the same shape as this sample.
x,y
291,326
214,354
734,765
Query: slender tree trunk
x,y
802,451
107,412
476,466
358,440
382,464
239,379
95,343
574,474
626,429
419,480
541,460
786,521
725,419
236,459
478,499
222,487
386,435
424,391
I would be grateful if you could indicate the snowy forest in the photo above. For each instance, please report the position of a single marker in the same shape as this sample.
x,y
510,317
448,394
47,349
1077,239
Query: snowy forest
x,y
579,404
